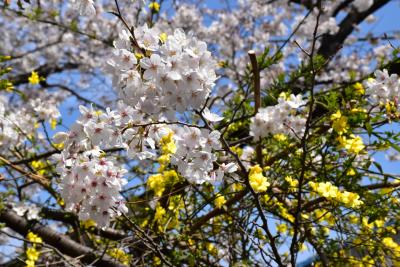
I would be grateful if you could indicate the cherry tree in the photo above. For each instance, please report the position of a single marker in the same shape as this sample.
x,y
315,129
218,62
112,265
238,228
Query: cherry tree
x,y
190,133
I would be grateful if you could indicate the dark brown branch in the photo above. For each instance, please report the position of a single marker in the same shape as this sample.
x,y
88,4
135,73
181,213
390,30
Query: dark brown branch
x,y
70,218
57,240
43,71
257,97
306,3
332,43
341,6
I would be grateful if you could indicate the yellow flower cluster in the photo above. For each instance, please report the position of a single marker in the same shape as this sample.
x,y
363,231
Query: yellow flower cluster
x,y
393,246
158,182
280,137
324,215
34,238
160,212
119,255
293,183
168,144
39,166
279,207
339,123
168,220
32,254
4,83
281,228
257,180
164,179
353,144
331,192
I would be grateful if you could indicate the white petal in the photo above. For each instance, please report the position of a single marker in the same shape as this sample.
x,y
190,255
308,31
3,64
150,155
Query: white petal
x,y
213,117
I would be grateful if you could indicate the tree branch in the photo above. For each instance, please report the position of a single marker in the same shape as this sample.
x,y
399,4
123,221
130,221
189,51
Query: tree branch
x,y
330,44
57,240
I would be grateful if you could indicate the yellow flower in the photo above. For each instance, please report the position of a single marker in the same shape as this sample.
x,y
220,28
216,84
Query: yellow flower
x,y
292,182
60,202
59,146
34,78
351,172
219,201
88,223
280,137
163,37
164,159
222,64
9,87
257,180
354,144
119,255
283,95
154,6
339,122
281,228
331,192
328,190
32,254
160,212
156,183
34,238
303,247
212,249
39,166
171,176
350,199
168,144
29,263
138,56
53,123
359,88
391,244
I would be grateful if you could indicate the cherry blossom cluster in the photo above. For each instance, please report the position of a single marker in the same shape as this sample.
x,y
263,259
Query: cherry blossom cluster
x,y
282,118
90,181
195,157
30,210
45,109
384,88
126,128
90,186
176,77
15,125
109,129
